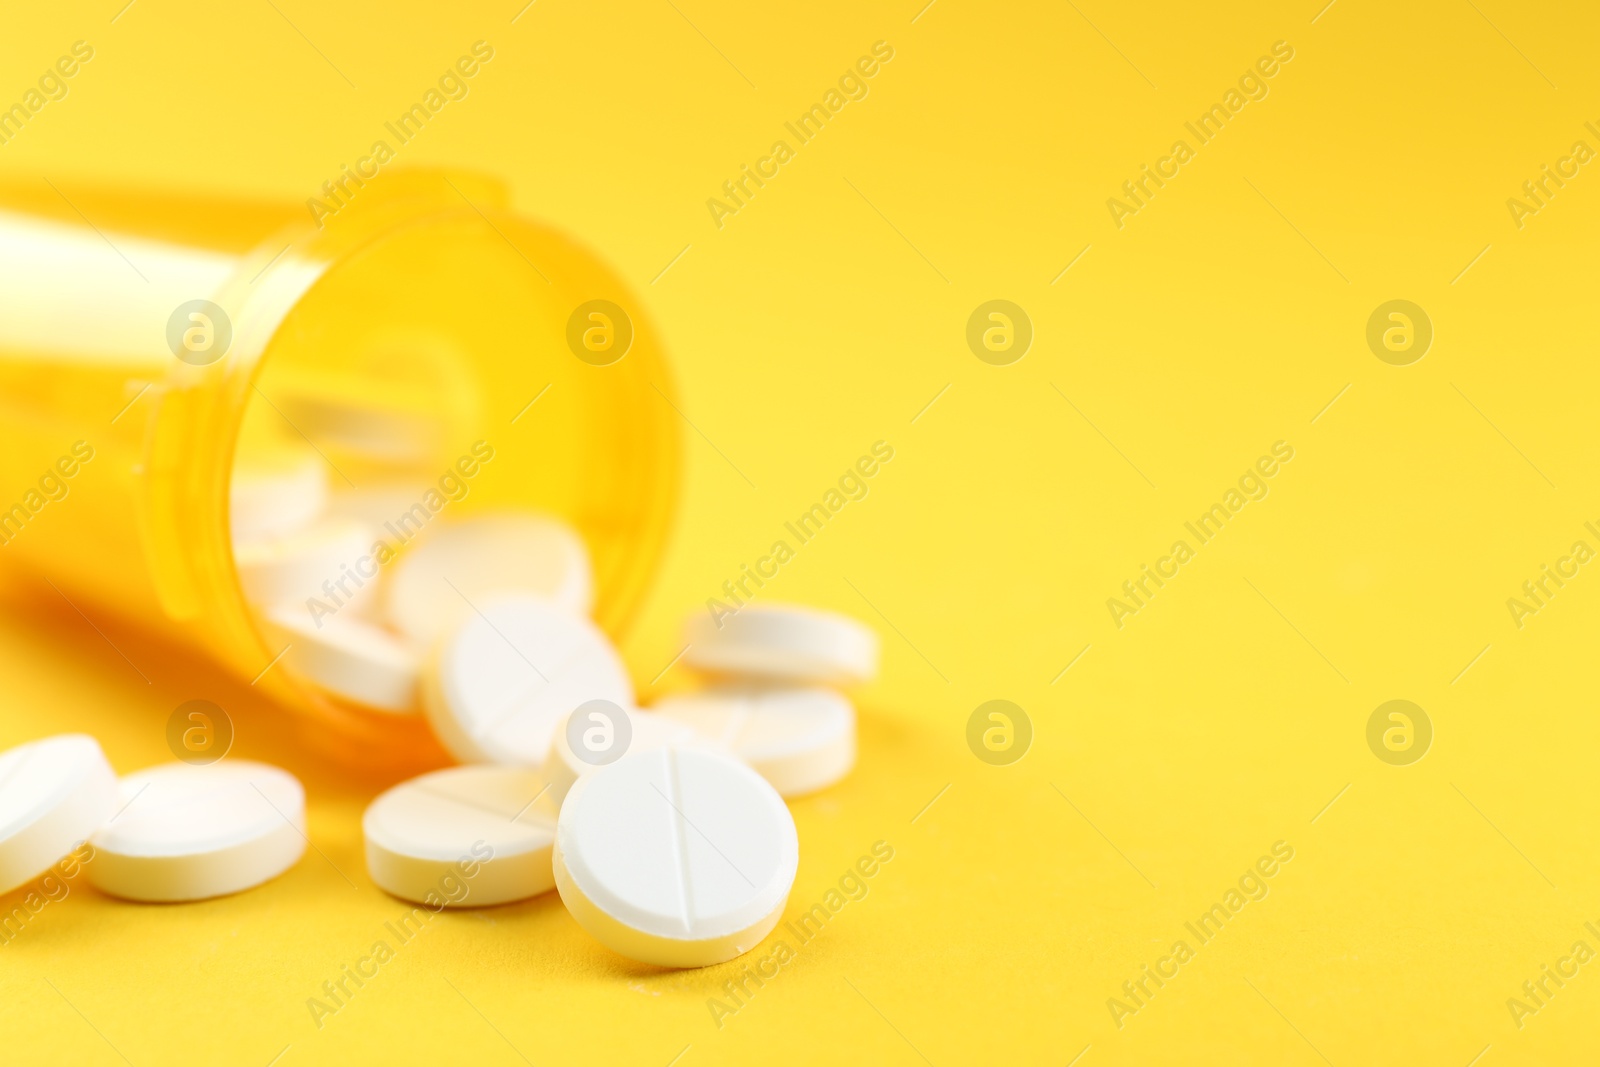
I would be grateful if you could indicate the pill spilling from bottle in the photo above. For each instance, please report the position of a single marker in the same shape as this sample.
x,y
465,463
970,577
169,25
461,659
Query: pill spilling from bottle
x,y
665,830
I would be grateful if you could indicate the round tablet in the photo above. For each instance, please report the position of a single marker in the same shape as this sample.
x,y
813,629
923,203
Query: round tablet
x,y
276,491
598,734
783,641
186,832
462,837
53,794
394,430
349,658
308,564
500,685
798,739
435,585
681,857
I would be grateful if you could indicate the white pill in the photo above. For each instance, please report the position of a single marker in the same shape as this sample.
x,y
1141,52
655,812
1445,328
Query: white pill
x,y
275,492
54,792
397,427
390,507
783,641
185,832
603,735
456,565
462,837
347,657
500,685
681,857
798,739
319,562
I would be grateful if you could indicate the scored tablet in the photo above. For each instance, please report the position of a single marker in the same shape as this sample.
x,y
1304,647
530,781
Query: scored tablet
x,y
681,857
461,837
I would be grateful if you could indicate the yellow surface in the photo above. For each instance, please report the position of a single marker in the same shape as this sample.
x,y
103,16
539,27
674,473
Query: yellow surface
x,y
824,316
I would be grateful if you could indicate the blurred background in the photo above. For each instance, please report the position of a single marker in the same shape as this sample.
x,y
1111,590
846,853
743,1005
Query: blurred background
x,y
1216,317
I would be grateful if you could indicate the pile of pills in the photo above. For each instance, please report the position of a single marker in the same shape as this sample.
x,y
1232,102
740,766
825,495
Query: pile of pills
x,y
664,830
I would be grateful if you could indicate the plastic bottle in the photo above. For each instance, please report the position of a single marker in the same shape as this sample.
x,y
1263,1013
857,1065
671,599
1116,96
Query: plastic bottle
x,y
422,302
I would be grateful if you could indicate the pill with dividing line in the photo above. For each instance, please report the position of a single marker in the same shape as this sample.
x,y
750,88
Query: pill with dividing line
x,y
461,837
680,856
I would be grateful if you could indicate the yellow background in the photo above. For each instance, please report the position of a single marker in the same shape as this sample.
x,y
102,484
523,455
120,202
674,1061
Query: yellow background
x,y
824,316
